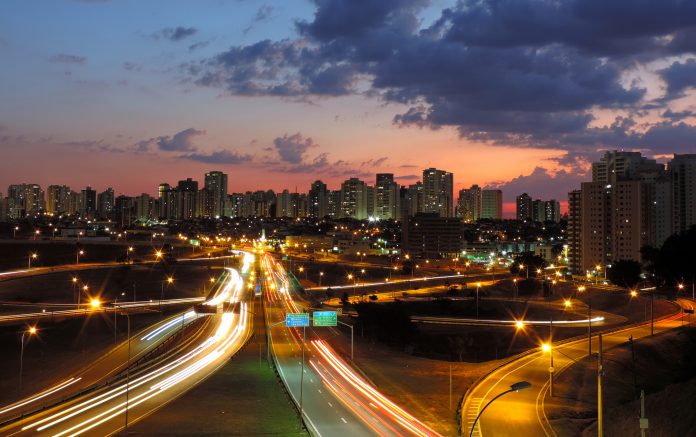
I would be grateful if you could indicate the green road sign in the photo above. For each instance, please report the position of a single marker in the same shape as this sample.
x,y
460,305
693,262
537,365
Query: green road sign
x,y
296,320
324,318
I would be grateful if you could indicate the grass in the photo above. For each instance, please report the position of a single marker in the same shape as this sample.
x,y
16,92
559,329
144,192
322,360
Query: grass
x,y
663,369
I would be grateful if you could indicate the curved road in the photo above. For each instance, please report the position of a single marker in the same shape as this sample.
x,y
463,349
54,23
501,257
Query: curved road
x,y
524,411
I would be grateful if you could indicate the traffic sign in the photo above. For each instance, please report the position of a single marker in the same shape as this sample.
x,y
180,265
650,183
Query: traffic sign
x,y
293,320
324,318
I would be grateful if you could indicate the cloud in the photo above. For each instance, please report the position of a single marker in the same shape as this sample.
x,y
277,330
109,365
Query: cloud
x,y
132,66
522,73
678,115
408,177
181,141
219,157
293,148
540,183
679,77
62,58
175,33
198,45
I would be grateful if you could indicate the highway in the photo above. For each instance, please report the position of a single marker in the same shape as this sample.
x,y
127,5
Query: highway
x,y
524,411
335,399
136,394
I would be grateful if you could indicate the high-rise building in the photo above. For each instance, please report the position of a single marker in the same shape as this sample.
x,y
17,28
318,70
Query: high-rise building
x,y
143,207
105,202
524,207
682,172
415,199
164,197
317,200
354,199
25,199
216,184
284,205
469,204
552,210
333,204
438,192
89,202
430,236
492,204
538,211
57,199
386,197
616,213
575,232
185,198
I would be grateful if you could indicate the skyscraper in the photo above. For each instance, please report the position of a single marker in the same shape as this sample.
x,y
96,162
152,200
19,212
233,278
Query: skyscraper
x,y
524,207
105,202
616,213
354,199
186,192
317,200
438,192
216,184
386,197
89,202
682,172
416,199
469,204
25,199
492,204
57,199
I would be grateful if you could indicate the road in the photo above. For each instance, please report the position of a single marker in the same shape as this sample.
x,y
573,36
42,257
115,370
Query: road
x,y
106,411
335,399
524,411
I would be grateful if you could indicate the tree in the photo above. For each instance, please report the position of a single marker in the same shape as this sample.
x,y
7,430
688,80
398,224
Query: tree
x,y
674,262
344,298
625,273
530,262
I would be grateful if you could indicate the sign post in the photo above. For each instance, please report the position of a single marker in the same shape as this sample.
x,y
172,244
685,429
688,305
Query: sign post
x,y
324,318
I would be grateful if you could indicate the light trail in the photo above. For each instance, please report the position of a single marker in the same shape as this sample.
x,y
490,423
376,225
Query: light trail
x,y
228,337
41,395
162,329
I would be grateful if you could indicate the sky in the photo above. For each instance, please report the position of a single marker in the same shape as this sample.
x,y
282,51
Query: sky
x,y
520,95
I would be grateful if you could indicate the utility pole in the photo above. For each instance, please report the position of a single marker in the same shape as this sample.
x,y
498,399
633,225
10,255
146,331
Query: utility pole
x,y
652,315
600,373
450,387
643,421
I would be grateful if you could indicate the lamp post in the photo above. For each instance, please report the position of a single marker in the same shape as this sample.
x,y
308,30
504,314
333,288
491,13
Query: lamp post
x,y
478,287
79,295
321,274
79,252
36,234
169,280
31,331
522,385
31,257
14,232
589,319
74,287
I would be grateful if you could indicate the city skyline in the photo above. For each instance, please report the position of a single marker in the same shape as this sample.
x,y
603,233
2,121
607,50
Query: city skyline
x,y
170,94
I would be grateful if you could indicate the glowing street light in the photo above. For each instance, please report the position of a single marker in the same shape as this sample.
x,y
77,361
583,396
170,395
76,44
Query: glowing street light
x,y
566,303
519,324
36,233
634,293
478,287
32,256
79,252
31,331
547,347
95,303
14,232
514,388
321,275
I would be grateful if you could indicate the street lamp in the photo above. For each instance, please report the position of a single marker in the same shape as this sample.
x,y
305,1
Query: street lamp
x,y
95,303
79,252
478,287
169,281
547,347
36,233
31,331
32,256
522,385
14,232
79,295
321,274
589,319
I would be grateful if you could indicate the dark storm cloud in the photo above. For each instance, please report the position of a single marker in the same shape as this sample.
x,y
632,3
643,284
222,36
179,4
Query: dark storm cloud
x,y
179,142
678,115
219,157
175,33
527,73
62,58
679,76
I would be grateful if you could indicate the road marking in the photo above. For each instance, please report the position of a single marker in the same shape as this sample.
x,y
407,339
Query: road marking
x,y
319,390
330,404
344,420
